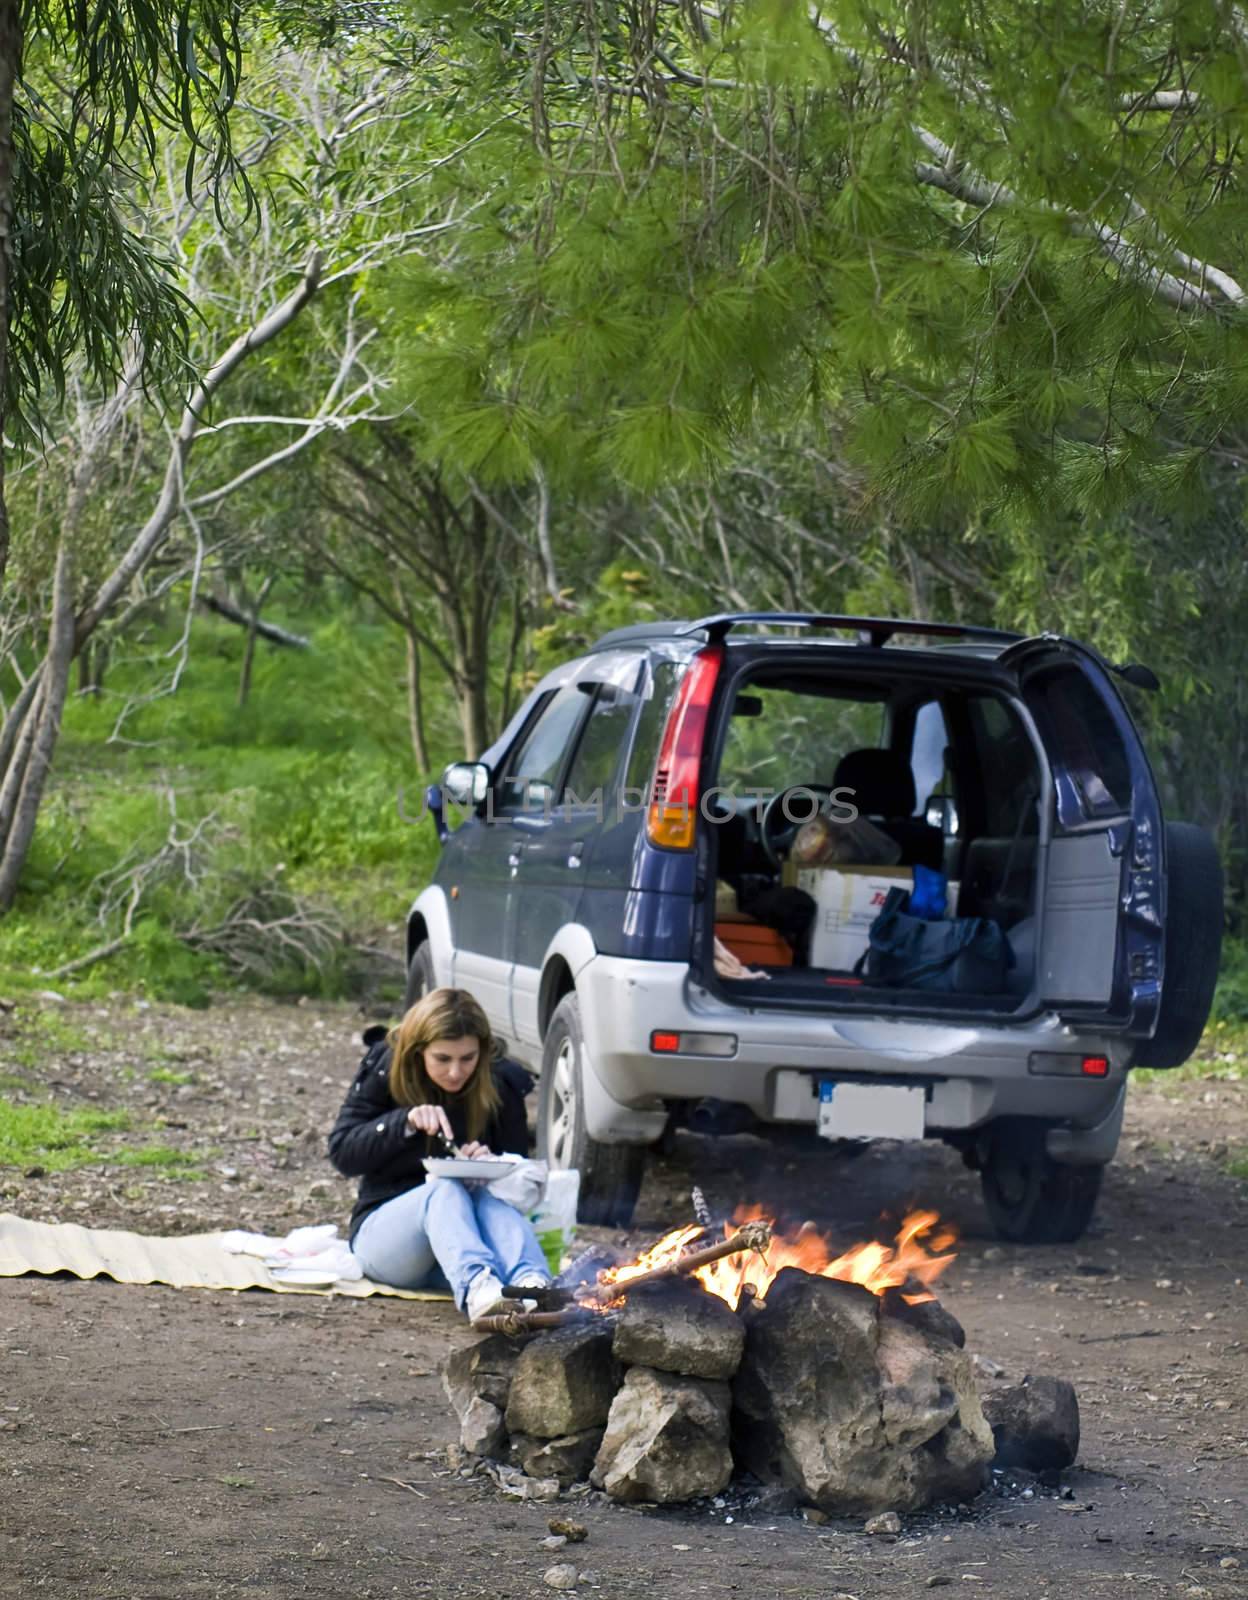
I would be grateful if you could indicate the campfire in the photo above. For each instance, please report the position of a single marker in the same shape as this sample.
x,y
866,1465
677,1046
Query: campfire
x,y
917,1257
748,1348
744,1264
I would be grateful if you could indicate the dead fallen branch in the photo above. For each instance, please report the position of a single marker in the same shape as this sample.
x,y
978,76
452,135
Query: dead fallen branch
x,y
226,608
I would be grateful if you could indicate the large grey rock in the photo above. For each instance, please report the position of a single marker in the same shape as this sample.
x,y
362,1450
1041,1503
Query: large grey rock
x,y
680,1327
568,1459
859,1413
481,1428
929,1316
1035,1424
481,1371
564,1381
934,1429
667,1439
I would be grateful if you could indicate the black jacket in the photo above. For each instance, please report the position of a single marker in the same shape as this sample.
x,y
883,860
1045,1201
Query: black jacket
x,y
370,1141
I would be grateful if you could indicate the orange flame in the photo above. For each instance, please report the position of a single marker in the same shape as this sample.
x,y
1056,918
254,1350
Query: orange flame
x,y
920,1253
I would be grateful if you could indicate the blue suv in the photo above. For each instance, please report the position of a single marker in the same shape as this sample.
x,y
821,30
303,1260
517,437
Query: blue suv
x,y
624,896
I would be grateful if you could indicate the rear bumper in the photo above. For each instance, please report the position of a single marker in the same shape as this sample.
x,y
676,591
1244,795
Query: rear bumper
x,y
972,1074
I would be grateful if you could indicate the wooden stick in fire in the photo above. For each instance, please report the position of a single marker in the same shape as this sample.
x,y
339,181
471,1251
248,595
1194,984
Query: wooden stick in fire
x,y
753,1236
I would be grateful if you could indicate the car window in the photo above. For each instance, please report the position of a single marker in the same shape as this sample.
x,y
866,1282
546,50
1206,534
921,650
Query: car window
x,y
596,764
533,768
1006,764
794,738
928,755
656,702
1076,726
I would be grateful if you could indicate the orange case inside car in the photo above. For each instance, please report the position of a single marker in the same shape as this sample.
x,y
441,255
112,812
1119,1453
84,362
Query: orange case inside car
x,y
754,944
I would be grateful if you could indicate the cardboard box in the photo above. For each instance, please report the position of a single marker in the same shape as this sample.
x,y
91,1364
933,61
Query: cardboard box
x,y
847,899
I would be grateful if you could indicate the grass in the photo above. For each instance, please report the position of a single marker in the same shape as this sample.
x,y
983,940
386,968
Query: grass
x,y
60,1141
168,1075
303,780
43,1136
173,1163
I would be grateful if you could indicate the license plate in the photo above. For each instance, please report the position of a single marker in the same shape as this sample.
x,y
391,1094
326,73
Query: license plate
x,y
870,1111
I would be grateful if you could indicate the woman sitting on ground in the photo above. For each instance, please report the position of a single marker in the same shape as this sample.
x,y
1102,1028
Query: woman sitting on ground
x,y
438,1073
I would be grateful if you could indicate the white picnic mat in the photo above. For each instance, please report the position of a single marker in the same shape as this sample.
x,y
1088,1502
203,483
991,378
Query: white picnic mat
x,y
191,1261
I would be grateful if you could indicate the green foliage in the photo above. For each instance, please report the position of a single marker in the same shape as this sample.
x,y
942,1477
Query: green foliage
x,y
305,786
109,101
173,1163
55,1140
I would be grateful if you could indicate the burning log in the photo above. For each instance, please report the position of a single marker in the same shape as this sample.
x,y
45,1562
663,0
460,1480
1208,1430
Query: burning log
x,y
753,1236
609,1290
553,1297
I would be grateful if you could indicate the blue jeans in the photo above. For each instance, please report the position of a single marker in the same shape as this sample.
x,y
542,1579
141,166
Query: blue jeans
x,y
441,1234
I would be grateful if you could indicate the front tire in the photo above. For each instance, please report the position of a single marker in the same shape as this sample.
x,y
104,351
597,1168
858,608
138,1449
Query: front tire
x,y
420,975
1032,1199
610,1173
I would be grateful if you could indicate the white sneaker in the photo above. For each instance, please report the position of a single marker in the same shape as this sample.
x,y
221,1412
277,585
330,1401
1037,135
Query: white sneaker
x,y
485,1297
532,1279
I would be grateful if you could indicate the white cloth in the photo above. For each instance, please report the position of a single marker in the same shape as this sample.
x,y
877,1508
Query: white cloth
x,y
311,1256
524,1186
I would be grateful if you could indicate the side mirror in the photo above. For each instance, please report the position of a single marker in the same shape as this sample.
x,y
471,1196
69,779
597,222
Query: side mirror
x,y
466,783
941,811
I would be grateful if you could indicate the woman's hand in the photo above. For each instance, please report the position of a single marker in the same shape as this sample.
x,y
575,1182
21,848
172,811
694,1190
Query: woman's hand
x,y
475,1151
431,1119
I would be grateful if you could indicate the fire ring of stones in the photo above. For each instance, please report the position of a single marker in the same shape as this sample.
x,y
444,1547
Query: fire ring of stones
x,y
857,1403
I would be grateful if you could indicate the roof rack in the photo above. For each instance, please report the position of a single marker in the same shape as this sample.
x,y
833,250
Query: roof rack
x,y
871,631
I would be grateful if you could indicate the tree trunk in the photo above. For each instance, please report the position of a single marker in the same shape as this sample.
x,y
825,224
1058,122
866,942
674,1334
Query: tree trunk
x,y
51,705
26,779
249,648
416,703
10,66
513,653
14,725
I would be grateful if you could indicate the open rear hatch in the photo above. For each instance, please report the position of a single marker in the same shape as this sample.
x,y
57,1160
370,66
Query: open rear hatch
x,y
1021,779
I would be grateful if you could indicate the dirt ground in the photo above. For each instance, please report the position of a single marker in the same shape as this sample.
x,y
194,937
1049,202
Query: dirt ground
x,y
162,1443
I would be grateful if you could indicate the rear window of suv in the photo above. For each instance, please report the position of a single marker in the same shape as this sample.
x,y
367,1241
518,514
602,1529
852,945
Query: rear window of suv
x,y
1082,737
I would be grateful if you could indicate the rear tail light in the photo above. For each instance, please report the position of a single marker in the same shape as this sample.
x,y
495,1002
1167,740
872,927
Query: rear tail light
x,y
1056,1064
671,820
666,1043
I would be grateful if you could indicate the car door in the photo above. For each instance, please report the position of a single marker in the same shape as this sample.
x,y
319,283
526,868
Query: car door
x,y
1103,906
559,841
524,791
491,843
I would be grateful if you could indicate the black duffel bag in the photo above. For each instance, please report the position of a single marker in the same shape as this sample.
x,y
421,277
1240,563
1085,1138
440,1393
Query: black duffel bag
x,y
954,955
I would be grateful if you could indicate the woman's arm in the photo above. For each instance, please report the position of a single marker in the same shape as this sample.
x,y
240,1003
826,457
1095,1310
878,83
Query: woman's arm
x,y
370,1130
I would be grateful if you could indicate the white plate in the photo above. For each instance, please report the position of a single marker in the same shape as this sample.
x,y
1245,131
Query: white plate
x,y
484,1171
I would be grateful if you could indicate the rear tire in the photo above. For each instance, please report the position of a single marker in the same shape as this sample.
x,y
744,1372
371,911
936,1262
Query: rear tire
x,y
1192,945
1030,1198
610,1173
420,975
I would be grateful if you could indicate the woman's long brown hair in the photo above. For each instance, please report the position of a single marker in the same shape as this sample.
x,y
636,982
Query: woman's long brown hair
x,y
444,1014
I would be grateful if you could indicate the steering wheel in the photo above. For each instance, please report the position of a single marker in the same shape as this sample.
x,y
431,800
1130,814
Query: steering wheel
x,y
775,831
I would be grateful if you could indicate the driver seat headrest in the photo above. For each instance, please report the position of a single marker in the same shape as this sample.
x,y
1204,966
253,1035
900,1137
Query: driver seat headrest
x,y
882,782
